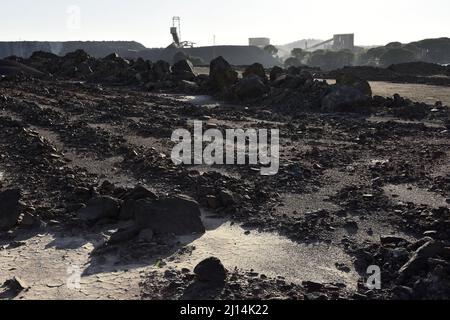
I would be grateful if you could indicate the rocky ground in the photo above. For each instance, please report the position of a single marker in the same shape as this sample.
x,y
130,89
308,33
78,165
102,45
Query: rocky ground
x,y
86,181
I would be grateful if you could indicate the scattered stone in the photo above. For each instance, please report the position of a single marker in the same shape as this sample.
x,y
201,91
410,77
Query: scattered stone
x,y
430,249
146,235
179,215
123,235
387,240
348,79
227,197
212,201
250,87
161,70
184,70
402,293
103,207
275,73
343,267
344,99
16,285
312,286
255,69
10,208
419,258
211,270
221,74
127,211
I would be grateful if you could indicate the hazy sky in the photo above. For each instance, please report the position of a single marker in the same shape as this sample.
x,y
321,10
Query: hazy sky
x,y
232,21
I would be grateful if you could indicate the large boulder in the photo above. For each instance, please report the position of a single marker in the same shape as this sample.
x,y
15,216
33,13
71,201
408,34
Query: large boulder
x,y
293,81
142,70
250,88
348,79
179,215
141,65
255,69
127,211
221,74
102,207
344,99
183,70
419,258
76,64
10,208
161,70
211,270
276,72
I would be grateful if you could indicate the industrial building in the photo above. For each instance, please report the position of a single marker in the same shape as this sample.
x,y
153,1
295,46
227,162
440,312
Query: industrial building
x,y
343,41
259,42
339,42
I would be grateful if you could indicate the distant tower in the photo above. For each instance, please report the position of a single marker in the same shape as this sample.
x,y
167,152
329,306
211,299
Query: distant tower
x,y
175,31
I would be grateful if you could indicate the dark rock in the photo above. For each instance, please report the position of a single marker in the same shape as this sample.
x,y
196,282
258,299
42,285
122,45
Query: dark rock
x,y
212,201
179,215
227,197
303,81
255,69
123,235
16,285
221,74
312,286
275,73
416,245
103,207
347,79
10,208
352,225
140,192
146,235
128,207
161,70
402,293
419,258
250,88
184,70
387,240
430,249
344,99
211,270
412,111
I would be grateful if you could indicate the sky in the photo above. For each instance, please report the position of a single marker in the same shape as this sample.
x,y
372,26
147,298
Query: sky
x,y
230,21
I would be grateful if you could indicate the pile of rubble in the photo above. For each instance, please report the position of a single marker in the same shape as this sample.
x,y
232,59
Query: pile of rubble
x,y
111,69
294,90
410,270
412,72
